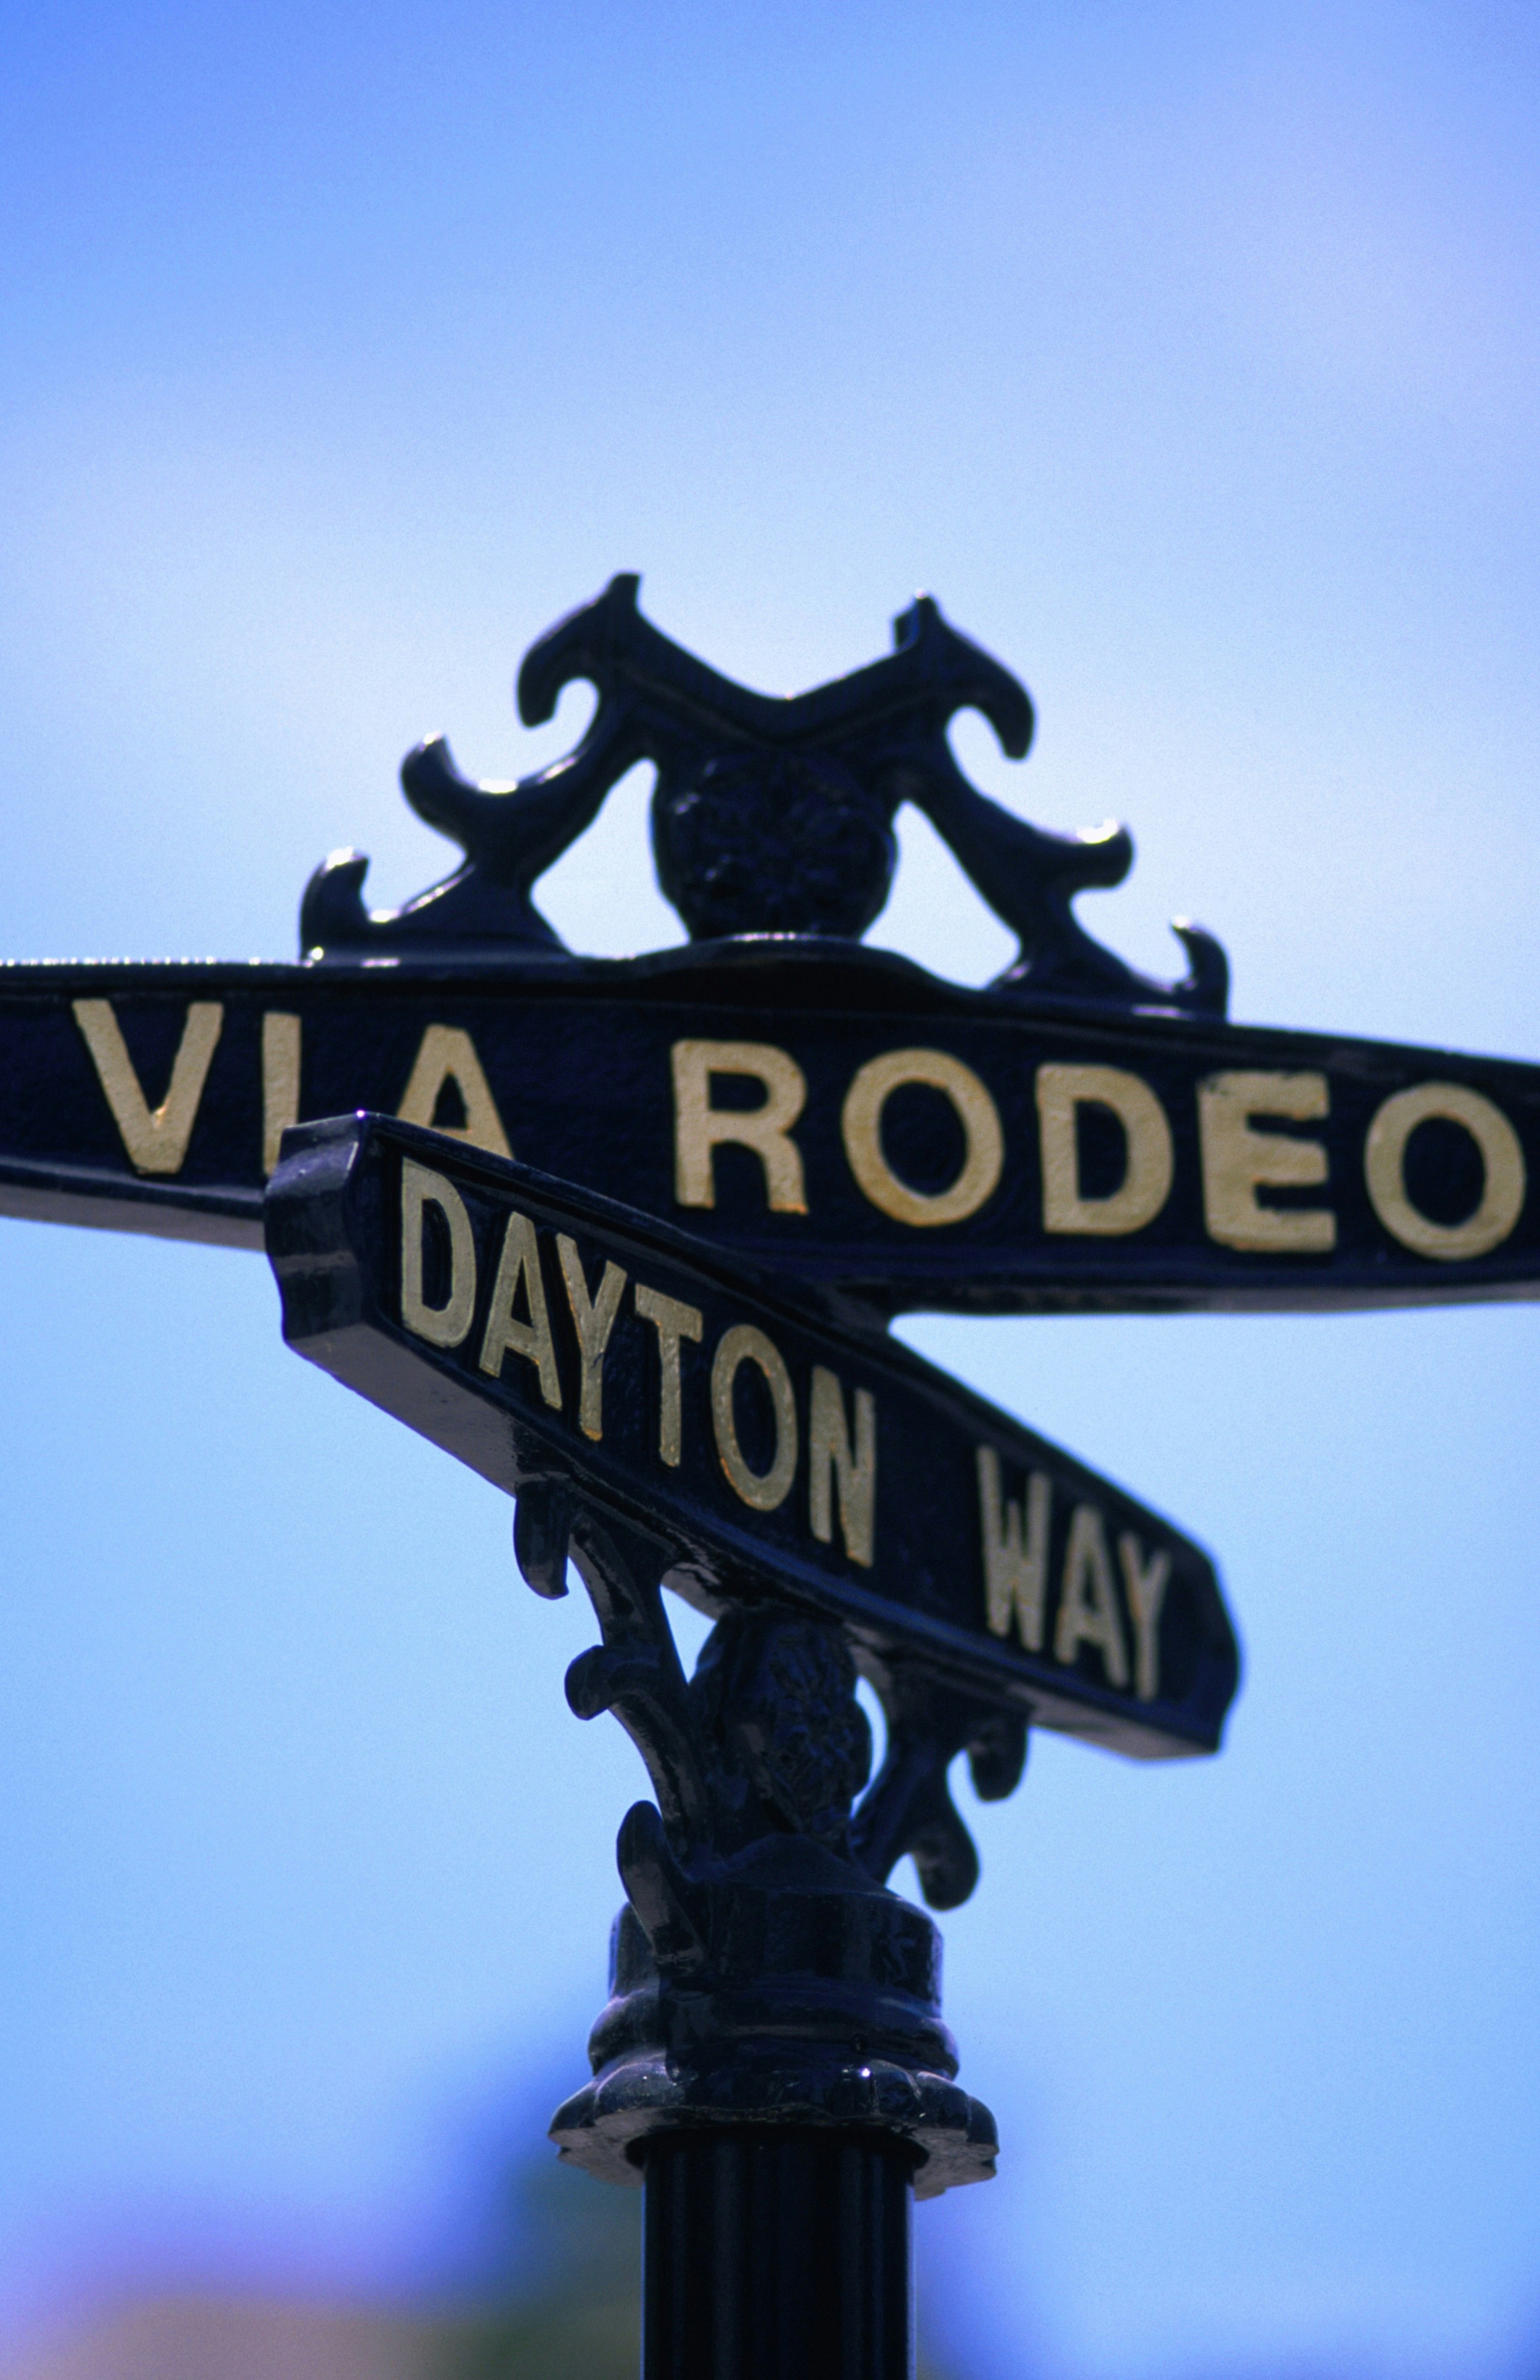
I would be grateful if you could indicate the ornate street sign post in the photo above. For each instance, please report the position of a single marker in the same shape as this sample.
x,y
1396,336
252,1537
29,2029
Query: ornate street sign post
x,y
623,1236
772,2057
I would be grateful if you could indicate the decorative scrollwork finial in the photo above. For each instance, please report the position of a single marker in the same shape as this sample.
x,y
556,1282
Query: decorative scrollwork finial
x,y
771,814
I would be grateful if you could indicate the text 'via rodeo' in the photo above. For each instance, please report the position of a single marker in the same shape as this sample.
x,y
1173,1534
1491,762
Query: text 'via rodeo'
x,y
1243,1162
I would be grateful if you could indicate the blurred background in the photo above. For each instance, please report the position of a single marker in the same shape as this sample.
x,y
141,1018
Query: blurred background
x,y
1189,354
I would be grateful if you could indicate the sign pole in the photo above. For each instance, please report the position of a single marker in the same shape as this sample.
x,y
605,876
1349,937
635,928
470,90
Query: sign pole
x,y
769,2254
750,2069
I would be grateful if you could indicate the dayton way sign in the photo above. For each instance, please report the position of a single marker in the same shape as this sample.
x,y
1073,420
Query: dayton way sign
x,y
623,1236
541,1333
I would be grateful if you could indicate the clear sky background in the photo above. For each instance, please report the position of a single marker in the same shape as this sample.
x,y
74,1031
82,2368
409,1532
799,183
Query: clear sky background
x,y
1190,355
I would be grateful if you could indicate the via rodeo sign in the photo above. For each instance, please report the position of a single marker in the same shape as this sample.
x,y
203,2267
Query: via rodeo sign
x,y
1075,1136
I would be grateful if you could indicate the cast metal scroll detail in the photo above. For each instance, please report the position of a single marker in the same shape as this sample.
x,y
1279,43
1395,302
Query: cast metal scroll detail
x,y
771,815
765,1739
761,1973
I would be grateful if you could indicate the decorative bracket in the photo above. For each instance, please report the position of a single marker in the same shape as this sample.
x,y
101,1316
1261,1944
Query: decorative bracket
x,y
767,1738
759,1971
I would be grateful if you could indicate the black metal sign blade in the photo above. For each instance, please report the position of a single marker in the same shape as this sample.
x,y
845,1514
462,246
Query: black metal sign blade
x,y
544,1335
832,1113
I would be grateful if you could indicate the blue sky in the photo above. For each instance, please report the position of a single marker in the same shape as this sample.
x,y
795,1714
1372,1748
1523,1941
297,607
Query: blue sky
x,y
1190,356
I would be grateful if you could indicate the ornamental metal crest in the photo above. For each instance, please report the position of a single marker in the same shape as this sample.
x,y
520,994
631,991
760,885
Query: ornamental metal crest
x,y
771,815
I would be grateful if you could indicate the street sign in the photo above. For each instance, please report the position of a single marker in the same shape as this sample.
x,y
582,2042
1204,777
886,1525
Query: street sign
x,y
1075,1136
550,1337
836,1115
716,1407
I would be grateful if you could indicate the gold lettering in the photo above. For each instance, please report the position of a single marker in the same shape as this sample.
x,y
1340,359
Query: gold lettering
x,y
1146,1582
1146,1183
505,1334
861,1123
673,1321
1089,1606
698,1127
280,1082
445,1324
761,1490
1237,1162
1015,1561
1502,1197
830,1460
155,1138
595,1319
448,1055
